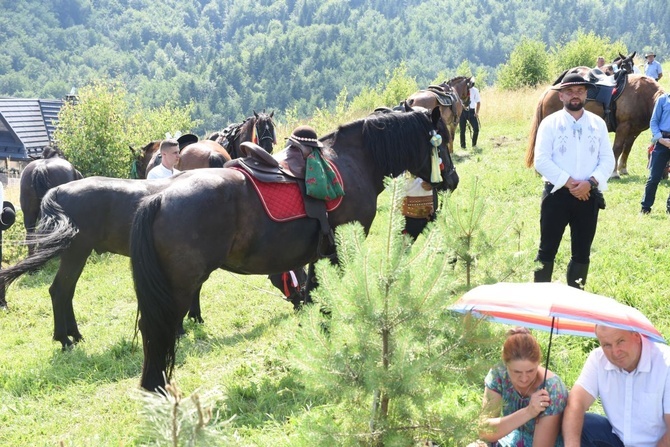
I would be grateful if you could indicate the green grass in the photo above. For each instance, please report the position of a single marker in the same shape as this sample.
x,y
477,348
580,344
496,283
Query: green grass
x,y
88,396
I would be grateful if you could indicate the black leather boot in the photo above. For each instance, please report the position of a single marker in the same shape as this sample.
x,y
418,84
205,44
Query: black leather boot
x,y
544,274
577,274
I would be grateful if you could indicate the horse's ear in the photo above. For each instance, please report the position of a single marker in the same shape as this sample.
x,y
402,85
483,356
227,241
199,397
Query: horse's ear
x,y
621,56
132,149
632,55
255,114
435,115
406,105
272,114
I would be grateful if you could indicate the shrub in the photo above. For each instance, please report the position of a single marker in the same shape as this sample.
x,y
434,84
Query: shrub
x,y
528,66
95,132
584,50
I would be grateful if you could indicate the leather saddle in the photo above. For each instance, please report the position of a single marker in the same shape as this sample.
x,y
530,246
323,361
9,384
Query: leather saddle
x,y
287,167
443,98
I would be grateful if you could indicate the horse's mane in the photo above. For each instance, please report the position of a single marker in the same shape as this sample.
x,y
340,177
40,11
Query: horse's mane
x,y
456,79
391,137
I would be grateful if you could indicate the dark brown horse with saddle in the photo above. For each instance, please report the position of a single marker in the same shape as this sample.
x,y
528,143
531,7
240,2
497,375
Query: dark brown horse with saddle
x,y
169,275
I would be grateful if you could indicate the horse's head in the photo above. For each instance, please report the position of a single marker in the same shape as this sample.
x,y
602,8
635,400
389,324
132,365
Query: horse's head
x,y
439,139
434,154
626,63
142,158
52,151
461,85
264,130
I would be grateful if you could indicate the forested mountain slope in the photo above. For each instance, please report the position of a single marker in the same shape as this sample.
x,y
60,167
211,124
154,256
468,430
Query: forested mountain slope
x,y
232,56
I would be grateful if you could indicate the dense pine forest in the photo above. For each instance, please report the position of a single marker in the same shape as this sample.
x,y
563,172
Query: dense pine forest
x,y
230,57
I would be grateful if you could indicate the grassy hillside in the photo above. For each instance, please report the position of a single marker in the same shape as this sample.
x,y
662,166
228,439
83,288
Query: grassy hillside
x,y
88,396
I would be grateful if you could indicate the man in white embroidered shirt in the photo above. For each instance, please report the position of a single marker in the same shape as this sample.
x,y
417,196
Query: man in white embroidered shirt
x,y
631,375
574,156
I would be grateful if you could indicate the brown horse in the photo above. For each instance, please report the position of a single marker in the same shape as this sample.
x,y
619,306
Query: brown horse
x,y
633,112
259,129
202,154
36,179
447,99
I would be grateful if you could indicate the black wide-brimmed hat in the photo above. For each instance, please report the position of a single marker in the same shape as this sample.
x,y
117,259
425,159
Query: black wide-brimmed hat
x,y
186,139
306,136
7,215
571,80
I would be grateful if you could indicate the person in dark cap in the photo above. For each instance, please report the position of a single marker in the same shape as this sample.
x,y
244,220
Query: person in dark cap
x,y
574,157
169,151
652,68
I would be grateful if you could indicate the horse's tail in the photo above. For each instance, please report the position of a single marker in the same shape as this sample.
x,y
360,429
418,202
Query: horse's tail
x,y
158,320
53,235
216,160
41,183
532,137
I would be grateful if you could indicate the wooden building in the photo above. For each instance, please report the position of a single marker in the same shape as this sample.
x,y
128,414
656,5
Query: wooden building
x,y
26,126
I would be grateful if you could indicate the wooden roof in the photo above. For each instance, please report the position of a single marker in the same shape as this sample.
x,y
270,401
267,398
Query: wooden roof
x,y
26,126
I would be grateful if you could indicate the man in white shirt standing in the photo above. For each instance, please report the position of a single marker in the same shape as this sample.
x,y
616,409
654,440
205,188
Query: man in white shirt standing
x,y
631,376
471,115
169,150
574,157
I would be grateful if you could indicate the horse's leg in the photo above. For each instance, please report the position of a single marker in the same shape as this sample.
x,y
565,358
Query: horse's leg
x,y
452,131
311,283
29,222
618,146
194,312
62,293
628,142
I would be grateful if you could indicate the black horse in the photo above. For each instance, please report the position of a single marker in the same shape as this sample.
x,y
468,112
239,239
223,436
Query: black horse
x,y
259,129
36,179
179,238
76,218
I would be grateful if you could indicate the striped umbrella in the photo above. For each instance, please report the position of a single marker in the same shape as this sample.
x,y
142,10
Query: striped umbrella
x,y
553,307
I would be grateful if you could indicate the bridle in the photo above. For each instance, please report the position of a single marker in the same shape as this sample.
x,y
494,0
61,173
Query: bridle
x,y
457,80
266,132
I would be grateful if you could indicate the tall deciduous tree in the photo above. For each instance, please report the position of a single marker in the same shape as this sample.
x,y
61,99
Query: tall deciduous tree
x,y
95,132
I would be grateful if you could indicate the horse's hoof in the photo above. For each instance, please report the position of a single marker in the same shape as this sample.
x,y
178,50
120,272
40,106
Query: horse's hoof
x,y
623,171
615,175
196,319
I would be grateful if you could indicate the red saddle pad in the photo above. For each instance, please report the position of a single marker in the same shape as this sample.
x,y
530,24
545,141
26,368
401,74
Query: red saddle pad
x,y
283,201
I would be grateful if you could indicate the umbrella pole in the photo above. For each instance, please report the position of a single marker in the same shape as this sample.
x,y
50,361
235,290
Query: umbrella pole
x,y
546,366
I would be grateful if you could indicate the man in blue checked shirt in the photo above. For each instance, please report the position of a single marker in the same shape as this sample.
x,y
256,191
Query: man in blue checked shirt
x,y
660,136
